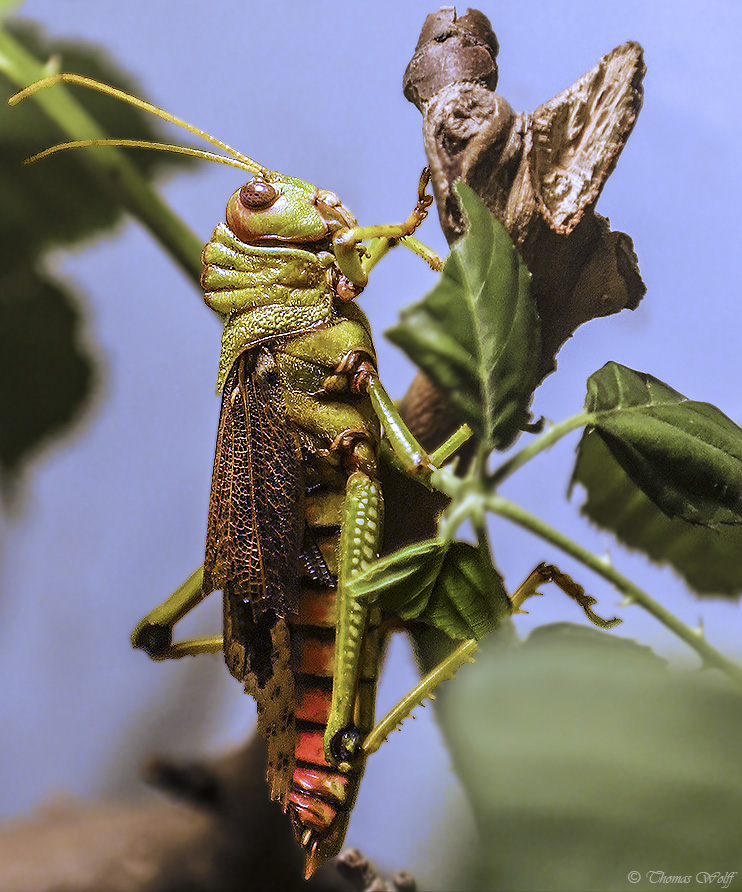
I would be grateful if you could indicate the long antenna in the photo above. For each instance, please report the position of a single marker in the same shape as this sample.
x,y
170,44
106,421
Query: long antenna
x,y
139,144
43,84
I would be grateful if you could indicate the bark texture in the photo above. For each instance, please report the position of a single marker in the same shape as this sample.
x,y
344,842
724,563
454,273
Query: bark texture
x,y
540,173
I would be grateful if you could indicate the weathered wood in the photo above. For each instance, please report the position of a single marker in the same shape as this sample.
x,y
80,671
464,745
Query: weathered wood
x,y
218,831
539,173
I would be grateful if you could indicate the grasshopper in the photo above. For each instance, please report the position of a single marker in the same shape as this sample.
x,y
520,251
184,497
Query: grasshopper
x,y
296,510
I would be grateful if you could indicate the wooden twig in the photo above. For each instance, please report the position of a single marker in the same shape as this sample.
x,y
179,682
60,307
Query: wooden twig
x,y
540,173
215,831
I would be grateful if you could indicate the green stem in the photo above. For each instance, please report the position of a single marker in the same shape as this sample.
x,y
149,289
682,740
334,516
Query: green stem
x,y
465,496
114,170
545,441
709,655
467,506
480,528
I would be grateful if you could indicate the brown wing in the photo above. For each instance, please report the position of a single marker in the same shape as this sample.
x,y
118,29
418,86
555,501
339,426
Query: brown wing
x,y
256,511
253,544
575,138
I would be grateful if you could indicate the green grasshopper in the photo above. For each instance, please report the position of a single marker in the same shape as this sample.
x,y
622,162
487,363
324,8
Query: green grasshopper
x,y
296,509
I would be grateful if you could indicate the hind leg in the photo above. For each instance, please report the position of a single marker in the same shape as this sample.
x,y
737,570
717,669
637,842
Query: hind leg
x,y
464,652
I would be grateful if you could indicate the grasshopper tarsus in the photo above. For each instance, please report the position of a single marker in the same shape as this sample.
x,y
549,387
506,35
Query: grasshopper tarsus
x,y
346,747
573,590
154,639
423,184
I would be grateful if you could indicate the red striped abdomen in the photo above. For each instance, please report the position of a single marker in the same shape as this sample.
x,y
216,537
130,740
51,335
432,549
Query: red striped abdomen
x,y
321,797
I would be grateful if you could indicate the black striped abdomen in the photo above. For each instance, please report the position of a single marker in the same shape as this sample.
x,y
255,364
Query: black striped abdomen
x,y
321,798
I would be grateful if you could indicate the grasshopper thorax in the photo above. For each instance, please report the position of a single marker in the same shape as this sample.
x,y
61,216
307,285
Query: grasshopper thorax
x,y
285,209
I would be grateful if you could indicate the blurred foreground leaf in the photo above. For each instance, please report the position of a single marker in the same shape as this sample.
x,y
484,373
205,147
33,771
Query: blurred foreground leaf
x,y
59,201
44,372
584,760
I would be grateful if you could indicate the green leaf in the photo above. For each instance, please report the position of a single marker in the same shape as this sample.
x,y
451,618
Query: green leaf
x,y
476,335
468,599
394,580
584,760
563,636
685,456
58,201
707,559
45,373
452,587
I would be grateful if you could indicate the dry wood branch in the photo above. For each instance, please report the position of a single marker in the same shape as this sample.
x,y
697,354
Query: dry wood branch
x,y
218,831
539,173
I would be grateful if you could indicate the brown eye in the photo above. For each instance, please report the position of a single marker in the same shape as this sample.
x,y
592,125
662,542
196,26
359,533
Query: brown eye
x,y
257,195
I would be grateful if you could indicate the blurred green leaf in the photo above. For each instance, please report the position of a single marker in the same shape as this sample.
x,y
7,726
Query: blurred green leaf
x,y
45,373
452,587
58,201
707,559
476,335
685,455
584,760
565,636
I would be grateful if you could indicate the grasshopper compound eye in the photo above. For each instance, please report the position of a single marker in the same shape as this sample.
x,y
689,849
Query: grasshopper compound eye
x,y
257,195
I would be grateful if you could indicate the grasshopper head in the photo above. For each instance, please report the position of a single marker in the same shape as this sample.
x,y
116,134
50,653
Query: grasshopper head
x,y
285,209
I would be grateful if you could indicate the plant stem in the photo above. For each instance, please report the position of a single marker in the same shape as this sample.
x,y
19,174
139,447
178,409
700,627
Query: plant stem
x,y
116,173
709,655
466,495
545,441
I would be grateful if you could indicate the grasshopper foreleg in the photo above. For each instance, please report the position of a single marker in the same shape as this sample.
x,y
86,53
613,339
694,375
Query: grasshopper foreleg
x,y
356,373
411,454
356,268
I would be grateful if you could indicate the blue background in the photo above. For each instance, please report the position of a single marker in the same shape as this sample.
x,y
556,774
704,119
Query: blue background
x,y
113,517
